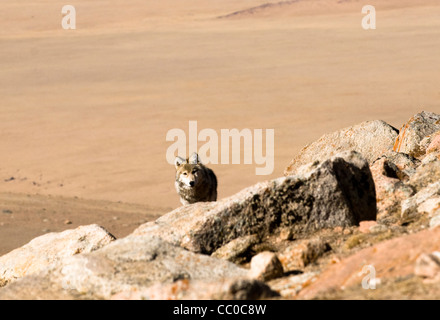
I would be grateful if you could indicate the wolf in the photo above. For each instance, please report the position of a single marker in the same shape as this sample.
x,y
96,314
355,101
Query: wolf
x,y
194,182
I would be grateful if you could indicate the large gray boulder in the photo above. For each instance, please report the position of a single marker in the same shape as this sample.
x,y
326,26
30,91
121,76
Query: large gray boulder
x,y
415,131
371,138
139,262
337,192
143,267
49,249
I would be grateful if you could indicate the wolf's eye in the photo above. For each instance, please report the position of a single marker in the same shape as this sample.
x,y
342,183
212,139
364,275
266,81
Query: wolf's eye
x,y
184,173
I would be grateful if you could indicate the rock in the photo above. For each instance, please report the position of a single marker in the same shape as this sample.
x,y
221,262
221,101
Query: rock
x,y
426,201
434,145
265,266
431,206
242,289
398,165
391,259
371,138
431,157
390,190
131,264
289,287
365,226
426,185
414,131
430,143
428,172
37,287
428,266
391,174
138,262
49,249
434,222
139,267
236,250
337,192
378,228
302,253
286,234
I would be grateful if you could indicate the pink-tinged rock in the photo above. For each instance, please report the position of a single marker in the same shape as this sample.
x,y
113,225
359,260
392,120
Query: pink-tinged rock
x,y
390,259
428,266
265,266
365,226
414,131
434,146
388,173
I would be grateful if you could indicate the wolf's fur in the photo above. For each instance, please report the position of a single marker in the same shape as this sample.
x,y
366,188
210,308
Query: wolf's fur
x,y
194,181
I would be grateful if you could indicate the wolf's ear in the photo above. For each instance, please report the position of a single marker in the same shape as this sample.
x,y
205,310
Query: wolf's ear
x,y
194,158
179,161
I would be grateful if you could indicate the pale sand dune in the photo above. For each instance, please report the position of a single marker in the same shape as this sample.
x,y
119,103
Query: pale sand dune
x,y
85,113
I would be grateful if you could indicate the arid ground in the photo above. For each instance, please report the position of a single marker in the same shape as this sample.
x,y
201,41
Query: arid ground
x,y
84,113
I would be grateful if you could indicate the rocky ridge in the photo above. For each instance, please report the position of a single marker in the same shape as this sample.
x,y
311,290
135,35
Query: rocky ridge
x,y
360,199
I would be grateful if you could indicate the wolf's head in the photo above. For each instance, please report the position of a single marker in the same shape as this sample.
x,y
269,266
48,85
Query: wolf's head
x,y
188,171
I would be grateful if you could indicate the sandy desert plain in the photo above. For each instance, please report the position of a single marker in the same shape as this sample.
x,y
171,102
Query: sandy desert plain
x,y
84,113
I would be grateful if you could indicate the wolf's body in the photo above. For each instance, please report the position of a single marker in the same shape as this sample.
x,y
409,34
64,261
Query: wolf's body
x,y
194,181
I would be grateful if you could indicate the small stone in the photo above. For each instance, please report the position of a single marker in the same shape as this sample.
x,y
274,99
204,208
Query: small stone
x,y
265,266
434,146
428,265
302,253
236,249
338,229
430,206
364,226
435,222
67,222
286,234
289,287
378,228
409,208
